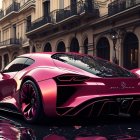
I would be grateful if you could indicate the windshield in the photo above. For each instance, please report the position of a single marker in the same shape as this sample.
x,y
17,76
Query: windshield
x,y
96,66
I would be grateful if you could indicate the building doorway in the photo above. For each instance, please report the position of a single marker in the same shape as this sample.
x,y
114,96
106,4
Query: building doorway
x,y
130,51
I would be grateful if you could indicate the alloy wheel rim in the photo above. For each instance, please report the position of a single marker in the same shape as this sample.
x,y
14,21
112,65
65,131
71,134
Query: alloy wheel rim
x,y
28,101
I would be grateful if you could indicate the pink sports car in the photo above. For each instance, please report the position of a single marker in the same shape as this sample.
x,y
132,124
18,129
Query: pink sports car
x,y
136,71
67,84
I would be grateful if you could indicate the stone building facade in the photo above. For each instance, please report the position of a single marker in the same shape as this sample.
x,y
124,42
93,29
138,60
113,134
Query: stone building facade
x,y
109,29
13,21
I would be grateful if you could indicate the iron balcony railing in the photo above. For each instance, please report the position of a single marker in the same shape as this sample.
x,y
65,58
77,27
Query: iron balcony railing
x,y
58,15
38,23
121,5
13,7
86,6
11,41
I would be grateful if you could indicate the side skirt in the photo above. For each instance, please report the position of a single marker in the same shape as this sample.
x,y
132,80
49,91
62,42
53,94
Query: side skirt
x,y
9,108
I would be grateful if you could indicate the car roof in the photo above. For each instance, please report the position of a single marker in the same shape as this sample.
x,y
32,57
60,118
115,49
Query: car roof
x,y
45,59
37,54
49,54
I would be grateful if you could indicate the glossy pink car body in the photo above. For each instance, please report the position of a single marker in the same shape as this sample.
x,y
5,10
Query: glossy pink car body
x,y
136,71
67,90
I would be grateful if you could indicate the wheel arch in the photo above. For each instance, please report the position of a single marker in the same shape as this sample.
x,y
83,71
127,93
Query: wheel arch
x,y
47,96
26,78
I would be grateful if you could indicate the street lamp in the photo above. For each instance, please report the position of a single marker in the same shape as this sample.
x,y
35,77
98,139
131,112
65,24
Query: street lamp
x,y
114,37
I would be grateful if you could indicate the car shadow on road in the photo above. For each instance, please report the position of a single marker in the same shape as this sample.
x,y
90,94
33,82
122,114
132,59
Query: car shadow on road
x,y
70,128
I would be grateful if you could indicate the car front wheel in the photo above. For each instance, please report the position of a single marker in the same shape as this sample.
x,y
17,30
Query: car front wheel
x,y
31,106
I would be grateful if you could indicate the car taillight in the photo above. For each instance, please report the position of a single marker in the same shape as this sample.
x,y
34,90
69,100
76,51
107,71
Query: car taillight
x,y
71,79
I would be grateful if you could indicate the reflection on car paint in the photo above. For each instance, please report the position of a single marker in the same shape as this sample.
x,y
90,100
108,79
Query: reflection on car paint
x,y
12,131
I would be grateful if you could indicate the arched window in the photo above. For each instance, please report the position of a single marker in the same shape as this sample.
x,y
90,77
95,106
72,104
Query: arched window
x,y
61,47
130,51
33,49
6,59
48,48
74,46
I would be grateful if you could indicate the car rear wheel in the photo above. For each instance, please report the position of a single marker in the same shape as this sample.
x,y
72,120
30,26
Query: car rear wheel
x,y
31,105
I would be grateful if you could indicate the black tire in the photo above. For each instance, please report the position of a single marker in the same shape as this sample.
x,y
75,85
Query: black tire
x,y
31,103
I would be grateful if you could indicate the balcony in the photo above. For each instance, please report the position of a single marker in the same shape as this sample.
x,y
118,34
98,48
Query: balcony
x,y
59,15
86,6
16,7
121,5
11,41
38,23
13,7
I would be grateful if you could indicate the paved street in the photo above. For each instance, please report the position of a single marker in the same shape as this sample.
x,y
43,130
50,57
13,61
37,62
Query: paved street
x,y
12,126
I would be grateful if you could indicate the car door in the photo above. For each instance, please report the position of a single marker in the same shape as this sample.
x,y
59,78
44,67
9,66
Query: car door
x,y
8,84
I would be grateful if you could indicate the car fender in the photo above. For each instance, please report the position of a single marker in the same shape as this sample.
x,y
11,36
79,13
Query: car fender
x,y
43,77
44,73
48,89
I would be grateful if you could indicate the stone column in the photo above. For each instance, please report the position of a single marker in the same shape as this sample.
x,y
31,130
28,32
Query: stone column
x,y
67,43
120,52
112,53
91,44
80,41
38,46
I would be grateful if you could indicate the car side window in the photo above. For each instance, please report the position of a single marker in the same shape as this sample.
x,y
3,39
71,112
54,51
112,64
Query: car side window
x,y
28,63
16,65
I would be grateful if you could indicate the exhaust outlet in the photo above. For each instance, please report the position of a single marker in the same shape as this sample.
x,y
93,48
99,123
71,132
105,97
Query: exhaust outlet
x,y
125,104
